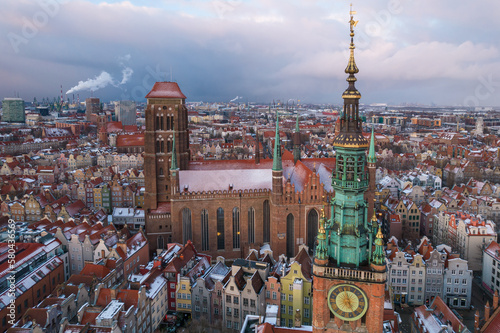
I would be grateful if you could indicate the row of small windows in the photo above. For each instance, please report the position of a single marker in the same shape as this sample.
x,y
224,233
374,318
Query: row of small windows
x,y
160,146
160,123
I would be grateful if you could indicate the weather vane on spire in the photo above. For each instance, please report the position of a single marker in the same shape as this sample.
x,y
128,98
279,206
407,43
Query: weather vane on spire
x,y
352,22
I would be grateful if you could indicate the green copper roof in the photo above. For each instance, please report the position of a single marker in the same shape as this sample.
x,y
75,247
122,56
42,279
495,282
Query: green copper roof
x,y
174,157
378,254
297,129
277,166
371,153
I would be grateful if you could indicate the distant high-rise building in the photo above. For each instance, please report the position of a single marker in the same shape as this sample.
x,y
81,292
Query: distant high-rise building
x,y
93,105
13,110
126,112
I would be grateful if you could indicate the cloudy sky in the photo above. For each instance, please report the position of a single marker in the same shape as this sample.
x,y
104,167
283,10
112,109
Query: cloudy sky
x,y
443,52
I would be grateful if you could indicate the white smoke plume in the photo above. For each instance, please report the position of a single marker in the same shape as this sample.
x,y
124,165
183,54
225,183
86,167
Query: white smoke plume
x,y
104,79
235,99
98,82
127,73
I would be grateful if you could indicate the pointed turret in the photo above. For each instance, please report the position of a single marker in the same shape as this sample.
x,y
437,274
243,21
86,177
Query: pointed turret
x,y
372,167
257,147
277,165
173,165
277,171
378,258
174,170
321,255
296,141
371,152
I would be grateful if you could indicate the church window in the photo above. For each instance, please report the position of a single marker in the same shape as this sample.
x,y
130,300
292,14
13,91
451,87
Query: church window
x,y
290,238
251,225
236,228
186,225
204,230
162,146
220,228
266,223
161,122
160,242
312,228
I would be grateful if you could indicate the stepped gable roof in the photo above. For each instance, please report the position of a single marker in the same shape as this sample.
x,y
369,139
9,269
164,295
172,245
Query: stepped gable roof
x,y
166,90
99,271
305,262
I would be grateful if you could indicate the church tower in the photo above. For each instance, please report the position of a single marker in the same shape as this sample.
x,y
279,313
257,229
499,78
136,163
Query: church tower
x,y
349,265
166,151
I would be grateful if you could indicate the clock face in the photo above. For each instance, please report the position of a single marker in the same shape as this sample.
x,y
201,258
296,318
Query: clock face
x,y
347,302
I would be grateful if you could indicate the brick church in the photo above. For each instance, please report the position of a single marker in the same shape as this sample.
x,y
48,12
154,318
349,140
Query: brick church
x,y
226,207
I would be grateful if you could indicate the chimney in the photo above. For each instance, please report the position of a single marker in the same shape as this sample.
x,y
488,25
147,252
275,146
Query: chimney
x,y
487,311
495,300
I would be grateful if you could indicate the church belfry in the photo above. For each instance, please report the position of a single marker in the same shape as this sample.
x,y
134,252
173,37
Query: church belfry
x,y
166,151
349,277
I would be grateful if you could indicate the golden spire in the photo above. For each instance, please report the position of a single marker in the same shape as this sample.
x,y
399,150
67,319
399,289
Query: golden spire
x,y
322,222
374,217
351,66
379,233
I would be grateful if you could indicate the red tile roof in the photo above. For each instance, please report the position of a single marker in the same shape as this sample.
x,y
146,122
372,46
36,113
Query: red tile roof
x,y
166,90
130,140
99,271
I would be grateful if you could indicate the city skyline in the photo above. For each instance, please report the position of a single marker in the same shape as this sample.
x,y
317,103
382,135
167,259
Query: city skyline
x,y
259,50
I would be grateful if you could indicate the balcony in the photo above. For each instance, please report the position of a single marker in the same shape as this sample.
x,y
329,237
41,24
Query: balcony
x,y
350,274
